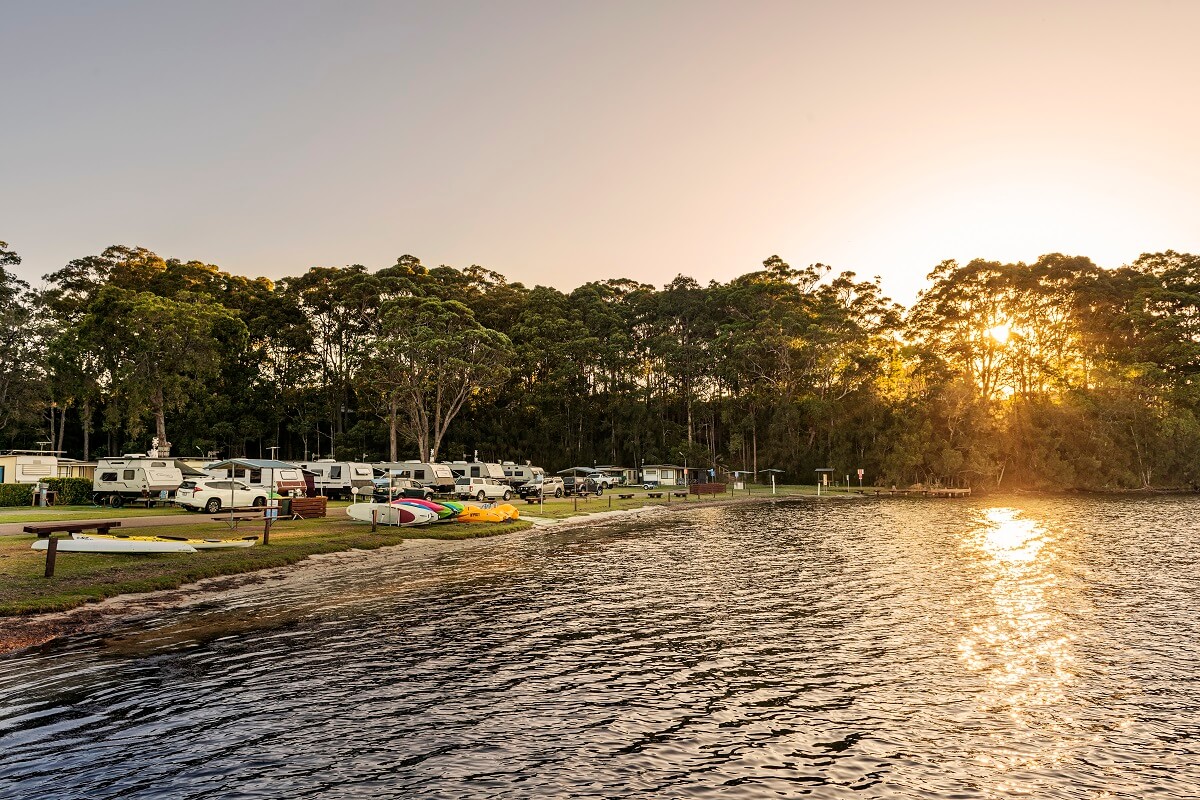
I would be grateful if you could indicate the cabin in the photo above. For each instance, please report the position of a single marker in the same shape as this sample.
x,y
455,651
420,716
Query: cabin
x,y
27,466
662,475
74,468
279,477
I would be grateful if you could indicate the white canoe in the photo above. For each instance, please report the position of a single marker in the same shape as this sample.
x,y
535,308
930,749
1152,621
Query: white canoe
x,y
82,543
401,515
213,544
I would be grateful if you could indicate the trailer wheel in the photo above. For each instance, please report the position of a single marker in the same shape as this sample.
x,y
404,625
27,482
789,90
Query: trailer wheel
x,y
213,506
116,501
99,499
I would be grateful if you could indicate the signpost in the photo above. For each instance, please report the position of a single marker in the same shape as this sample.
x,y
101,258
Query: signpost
x,y
860,474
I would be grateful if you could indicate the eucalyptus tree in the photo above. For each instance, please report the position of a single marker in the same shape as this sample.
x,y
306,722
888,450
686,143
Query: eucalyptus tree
x,y
21,348
429,359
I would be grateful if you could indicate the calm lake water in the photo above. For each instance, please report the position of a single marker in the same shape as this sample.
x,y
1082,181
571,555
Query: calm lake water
x,y
897,648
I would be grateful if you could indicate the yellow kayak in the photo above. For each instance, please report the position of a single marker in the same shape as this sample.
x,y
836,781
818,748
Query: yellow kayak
x,y
198,544
499,513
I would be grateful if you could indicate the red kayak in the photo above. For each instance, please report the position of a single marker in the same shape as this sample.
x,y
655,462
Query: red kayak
x,y
441,510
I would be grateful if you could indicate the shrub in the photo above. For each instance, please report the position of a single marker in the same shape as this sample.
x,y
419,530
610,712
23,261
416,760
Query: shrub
x,y
71,491
16,494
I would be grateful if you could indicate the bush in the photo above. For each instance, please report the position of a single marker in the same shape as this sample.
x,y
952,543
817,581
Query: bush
x,y
16,494
70,491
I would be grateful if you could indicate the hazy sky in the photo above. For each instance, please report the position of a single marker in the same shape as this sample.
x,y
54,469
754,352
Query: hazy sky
x,y
561,142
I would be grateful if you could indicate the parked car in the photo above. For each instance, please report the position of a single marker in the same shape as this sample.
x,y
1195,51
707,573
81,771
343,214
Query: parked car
x,y
604,481
482,489
213,495
582,486
548,486
387,490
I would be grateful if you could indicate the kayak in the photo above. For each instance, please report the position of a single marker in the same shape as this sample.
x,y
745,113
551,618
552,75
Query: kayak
x,y
500,513
388,514
214,544
88,543
442,511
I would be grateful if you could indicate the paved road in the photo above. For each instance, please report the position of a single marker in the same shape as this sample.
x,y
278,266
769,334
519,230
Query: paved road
x,y
12,528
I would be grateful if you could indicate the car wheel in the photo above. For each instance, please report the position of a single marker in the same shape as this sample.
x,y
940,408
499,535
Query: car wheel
x,y
259,502
599,491
558,492
482,496
507,495
212,506
116,501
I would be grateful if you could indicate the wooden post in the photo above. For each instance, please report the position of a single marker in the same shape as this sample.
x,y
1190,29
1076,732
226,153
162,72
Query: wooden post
x,y
610,502
374,520
51,552
575,499
266,530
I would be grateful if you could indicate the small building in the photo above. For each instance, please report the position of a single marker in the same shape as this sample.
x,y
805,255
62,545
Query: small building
x,y
662,474
27,466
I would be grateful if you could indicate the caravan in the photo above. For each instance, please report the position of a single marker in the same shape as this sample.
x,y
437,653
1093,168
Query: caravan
x,y
438,477
339,479
476,469
520,474
135,478
27,466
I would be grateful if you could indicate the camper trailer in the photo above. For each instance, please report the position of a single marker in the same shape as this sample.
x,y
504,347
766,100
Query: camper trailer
x,y
438,477
476,469
519,474
135,479
27,466
339,479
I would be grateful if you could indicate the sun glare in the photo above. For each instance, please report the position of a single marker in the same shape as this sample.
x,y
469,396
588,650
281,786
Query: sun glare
x,y
1000,333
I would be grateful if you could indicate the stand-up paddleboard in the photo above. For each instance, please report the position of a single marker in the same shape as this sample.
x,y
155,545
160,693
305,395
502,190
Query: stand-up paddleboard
x,y
82,543
214,544
442,511
392,515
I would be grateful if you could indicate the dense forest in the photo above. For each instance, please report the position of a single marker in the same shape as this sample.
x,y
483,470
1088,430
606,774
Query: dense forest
x,y
1055,374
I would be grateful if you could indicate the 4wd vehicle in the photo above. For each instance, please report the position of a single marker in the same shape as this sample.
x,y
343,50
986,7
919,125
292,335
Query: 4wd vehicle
x,y
212,495
481,489
549,486
604,481
400,487
582,486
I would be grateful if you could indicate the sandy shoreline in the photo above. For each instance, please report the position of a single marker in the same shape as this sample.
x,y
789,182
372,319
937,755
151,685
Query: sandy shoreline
x,y
21,632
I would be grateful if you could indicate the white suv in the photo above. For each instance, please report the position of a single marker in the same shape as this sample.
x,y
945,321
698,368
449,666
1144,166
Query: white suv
x,y
481,489
211,495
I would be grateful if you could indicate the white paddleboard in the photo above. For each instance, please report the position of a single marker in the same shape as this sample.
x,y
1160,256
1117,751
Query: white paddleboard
x,y
403,516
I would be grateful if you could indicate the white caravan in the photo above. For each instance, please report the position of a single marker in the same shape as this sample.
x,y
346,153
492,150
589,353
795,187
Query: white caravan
x,y
476,469
519,474
339,479
135,479
27,466
438,477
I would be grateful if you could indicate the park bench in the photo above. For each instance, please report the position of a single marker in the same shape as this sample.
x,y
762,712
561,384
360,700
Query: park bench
x,y
679,494
654,494
46,530
625,496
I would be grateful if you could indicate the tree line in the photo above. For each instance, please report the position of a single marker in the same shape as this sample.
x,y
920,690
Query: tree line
x,y
1055,374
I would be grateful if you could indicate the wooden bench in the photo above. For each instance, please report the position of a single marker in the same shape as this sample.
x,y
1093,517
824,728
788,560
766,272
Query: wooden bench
x,y
655,495
625,496
679,494
233,517
46,530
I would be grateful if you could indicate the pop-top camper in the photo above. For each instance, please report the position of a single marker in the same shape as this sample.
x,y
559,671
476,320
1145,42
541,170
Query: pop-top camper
x,y
338,479
476,469
135,479
520,474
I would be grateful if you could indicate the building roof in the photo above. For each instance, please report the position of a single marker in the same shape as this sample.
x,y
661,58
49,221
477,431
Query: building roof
x,y
661,466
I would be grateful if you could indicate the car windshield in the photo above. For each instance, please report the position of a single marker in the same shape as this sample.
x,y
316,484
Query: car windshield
x,y
188,485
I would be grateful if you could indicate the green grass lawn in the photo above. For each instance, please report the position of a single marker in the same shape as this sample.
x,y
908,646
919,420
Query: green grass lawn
x,y
54,513
86,577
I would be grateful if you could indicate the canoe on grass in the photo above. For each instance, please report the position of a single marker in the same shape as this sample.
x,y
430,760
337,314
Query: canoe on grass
x,y
499,513
87,543
401,515
214,544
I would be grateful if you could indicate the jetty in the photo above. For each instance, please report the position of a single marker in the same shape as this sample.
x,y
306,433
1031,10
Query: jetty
x,y
920,491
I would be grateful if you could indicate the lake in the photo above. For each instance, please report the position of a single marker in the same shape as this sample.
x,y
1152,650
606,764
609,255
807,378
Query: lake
x,y
990,647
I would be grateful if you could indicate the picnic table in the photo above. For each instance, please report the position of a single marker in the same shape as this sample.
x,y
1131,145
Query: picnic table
x,y
46,530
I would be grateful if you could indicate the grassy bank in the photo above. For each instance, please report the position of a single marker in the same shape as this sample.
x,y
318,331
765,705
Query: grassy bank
x,y
85,577
55,513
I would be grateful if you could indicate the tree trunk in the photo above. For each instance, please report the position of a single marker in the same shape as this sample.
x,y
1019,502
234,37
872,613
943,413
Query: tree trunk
x,y
85,419
160,418
393,411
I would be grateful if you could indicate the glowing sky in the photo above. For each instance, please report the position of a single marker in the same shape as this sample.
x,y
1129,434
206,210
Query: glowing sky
x,y
560,142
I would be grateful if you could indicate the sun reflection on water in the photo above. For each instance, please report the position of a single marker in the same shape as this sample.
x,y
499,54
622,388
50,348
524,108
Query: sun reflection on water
x,y
1021,644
